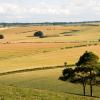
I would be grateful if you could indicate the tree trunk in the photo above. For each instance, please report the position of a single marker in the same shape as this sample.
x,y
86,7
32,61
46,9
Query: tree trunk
x,y
84,85
91,89
84,93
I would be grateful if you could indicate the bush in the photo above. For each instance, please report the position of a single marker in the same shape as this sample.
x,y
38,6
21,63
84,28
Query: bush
x,y
39,34
1,36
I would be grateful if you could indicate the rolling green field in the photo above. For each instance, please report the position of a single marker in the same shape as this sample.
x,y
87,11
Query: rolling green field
x,y
46,80
15,93
20,50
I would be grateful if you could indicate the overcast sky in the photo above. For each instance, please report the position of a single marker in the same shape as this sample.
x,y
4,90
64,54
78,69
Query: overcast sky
x,y
49,10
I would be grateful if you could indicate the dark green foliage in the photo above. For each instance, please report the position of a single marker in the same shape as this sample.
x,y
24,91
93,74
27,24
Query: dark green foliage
x,y
1,36
82,69
85,72
39,34
88,58
68,72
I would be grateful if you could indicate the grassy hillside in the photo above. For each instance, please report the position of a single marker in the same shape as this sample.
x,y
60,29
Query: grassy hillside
x,y
15,93
45,80
20,50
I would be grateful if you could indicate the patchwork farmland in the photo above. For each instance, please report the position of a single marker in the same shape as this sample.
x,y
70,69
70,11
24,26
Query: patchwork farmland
x,y
20,50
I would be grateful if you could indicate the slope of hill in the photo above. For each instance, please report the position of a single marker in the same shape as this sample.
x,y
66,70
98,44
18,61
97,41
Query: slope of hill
x,y
14,93
20,50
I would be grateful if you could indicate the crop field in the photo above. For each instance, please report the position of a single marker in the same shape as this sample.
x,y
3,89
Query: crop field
x,y
21,50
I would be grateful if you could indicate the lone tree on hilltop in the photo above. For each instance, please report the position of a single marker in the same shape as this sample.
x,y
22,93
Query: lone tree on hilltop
x,y
39,34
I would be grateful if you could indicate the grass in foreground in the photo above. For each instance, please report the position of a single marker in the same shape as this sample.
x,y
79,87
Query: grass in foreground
x,y
15,93
45,80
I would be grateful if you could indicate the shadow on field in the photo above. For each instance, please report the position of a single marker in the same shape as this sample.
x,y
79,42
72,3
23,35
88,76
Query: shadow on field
x,y
82,95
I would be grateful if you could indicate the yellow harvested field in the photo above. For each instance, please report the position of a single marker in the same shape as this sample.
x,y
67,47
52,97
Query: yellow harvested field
x,y
56,57
54,33
20,50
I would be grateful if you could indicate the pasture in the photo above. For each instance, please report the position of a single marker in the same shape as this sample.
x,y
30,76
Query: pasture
x,y
45,80
11,93
53,33
20,50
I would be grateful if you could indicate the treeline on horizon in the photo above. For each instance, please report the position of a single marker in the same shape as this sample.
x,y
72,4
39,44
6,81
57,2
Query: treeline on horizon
x,y
92,23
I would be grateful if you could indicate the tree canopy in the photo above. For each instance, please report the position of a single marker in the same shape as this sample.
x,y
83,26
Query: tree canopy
x,y
88,58
39,34
1,36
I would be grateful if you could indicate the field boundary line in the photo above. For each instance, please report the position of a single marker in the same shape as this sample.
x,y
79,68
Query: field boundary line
x,y
34,69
